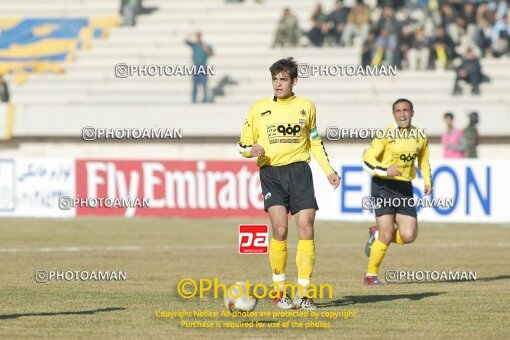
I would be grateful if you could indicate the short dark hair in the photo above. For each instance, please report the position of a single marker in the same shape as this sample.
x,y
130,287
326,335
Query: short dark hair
x,y
448,114
285,65
402,100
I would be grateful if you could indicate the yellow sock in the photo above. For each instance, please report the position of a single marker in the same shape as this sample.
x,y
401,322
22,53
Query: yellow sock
x,y
397,238
278,261
376,256
305,259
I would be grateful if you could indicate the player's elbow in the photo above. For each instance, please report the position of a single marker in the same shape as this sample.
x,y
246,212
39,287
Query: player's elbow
x,y
368,168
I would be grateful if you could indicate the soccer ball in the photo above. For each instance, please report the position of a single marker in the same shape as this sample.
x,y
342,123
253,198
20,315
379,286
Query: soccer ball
x,y
237,300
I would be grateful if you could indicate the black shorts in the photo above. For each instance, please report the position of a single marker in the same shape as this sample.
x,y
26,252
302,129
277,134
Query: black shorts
x,y
395,191
288,185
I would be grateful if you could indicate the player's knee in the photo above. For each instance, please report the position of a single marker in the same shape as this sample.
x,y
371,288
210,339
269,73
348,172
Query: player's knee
x,y
408,236
306,232
280,232
305,227
385,236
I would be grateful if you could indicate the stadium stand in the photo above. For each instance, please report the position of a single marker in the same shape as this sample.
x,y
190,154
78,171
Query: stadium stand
x,y
41,44
90,94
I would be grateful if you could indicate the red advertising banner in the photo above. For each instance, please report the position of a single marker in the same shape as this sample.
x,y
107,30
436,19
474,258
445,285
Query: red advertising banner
x,y
198,189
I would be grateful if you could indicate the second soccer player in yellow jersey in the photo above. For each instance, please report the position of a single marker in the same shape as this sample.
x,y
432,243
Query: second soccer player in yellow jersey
x,y
391,162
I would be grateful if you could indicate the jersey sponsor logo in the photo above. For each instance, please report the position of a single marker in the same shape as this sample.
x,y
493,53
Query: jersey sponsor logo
x,y
303,112
265,113
289,130
408,157
267,196
284,133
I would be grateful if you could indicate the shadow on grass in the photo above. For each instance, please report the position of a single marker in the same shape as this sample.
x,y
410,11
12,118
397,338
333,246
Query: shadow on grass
x,y
357,299
494,278
81,312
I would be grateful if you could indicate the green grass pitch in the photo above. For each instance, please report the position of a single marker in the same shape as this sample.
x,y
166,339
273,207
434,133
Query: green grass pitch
x,y
157,253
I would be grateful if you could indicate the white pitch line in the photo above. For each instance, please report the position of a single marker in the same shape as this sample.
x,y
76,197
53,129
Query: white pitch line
x,y
111,248
229,246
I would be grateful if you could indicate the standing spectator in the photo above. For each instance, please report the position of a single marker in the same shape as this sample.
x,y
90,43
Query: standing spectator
x,y
201,52
418,55
442,49
317,33
288,31
471,136
470,71
337,21
453,139
129,9
4,91
358,23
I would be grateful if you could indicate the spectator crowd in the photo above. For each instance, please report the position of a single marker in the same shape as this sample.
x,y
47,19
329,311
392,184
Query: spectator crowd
x,y
411,34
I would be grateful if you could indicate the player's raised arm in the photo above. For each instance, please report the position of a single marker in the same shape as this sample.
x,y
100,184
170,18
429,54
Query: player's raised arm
x,y
249,135
424,165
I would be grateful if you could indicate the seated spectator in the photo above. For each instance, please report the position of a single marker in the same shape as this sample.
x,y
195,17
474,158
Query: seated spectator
x,y
405,41
318,32
387,44
467,20
483,40
500,37
388,21
288,32
394,4
470,71
368,49
418,55
449,18
442,49
337,21
358,23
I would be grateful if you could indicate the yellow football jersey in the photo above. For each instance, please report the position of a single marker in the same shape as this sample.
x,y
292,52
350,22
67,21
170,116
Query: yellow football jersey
x,y
287,131
403,152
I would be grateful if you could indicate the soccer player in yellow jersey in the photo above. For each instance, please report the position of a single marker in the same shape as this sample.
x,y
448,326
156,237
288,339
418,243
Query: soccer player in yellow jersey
x,y
281,132
391,162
